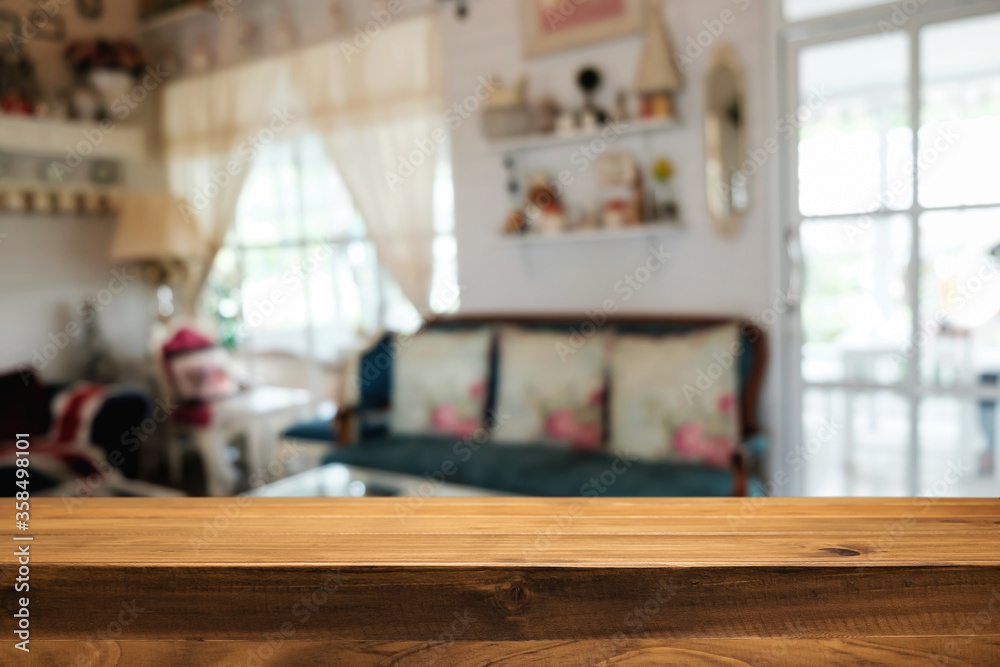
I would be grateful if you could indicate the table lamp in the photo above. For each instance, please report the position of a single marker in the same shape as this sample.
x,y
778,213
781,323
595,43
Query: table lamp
x,y
154,233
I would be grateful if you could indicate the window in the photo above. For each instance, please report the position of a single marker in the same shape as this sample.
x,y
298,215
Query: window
x,y
298,274
897,217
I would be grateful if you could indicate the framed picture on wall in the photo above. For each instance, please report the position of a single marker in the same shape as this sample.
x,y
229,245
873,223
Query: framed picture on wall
x,y
558,25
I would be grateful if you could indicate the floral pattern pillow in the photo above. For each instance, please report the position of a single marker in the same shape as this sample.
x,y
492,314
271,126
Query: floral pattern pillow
x,y
439,383
551,389
674,397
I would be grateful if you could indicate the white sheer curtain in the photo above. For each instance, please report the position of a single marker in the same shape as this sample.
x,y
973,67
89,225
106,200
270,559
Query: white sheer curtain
x,y
213,126
379,110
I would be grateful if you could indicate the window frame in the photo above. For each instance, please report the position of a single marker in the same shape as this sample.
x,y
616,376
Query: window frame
x,y
302,242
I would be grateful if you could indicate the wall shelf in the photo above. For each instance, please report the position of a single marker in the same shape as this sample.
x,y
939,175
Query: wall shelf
x,y
645,230
539,141
56,138
33,198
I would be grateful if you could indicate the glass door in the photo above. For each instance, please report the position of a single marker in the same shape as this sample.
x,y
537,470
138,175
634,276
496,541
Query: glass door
x,y
892,209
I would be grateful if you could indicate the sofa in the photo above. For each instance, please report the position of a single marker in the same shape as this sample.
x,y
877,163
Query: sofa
x,y
366,438
78,432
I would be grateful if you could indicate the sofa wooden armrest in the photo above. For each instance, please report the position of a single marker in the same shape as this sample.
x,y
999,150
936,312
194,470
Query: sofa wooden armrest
x,y
345,424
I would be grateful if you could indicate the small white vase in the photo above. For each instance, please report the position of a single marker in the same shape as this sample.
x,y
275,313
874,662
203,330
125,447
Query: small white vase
x,y
111,84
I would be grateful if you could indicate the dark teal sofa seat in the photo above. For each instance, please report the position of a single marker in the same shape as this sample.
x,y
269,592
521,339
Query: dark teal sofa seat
x,y
316,430
533,470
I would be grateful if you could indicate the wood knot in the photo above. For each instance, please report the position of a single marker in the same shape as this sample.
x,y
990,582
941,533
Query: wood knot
x,y
514,598
838,551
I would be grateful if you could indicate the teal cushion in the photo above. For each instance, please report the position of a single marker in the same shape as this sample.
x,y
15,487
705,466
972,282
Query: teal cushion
x,y
756,445
317,429
535,470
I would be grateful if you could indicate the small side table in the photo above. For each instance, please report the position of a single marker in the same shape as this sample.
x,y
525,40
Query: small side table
x,y
256,416
260,415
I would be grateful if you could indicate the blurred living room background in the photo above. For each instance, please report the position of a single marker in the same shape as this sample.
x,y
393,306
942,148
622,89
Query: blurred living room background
x,y
477,247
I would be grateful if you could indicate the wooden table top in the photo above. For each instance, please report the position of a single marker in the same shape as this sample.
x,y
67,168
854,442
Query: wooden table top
x,y
517,531
511,581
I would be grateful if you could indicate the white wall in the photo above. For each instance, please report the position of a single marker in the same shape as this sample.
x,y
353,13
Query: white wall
x,y
707,274
48,265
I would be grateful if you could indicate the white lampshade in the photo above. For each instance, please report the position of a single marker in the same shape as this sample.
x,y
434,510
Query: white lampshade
x,y
154,227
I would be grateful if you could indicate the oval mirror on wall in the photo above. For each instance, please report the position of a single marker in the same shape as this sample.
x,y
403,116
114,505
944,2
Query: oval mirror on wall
x,y
725,141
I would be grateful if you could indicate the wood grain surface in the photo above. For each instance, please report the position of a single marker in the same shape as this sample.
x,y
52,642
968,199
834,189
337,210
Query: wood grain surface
x,y
517,581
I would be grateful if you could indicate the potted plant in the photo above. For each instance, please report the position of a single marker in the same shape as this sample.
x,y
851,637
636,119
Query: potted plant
x,y
664,206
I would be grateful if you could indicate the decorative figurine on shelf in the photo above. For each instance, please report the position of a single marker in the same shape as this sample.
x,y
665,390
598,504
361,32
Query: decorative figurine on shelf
x,y
619,113
565,124
623,182
615,214
544,211
515,222
589,80
546,114
658,78
589,121
107,69
19,93
664,206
